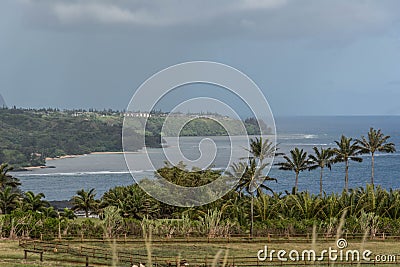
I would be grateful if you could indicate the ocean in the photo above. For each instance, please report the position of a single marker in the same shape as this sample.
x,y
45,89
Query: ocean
x,y
105,171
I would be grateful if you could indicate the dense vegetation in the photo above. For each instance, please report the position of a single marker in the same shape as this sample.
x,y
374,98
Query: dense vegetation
x,y
28,136
371,210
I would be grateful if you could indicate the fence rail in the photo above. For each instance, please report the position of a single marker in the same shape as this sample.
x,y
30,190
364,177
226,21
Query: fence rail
x,y
231,238
136,258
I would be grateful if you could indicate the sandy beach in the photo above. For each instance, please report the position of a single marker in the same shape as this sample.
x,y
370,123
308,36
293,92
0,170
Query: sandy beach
x,y
33,168
64,157
92,153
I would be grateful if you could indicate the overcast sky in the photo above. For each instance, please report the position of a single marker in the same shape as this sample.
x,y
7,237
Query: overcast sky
x,y
309,57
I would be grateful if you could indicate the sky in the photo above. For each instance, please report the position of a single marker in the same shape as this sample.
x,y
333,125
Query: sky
x,y
309,57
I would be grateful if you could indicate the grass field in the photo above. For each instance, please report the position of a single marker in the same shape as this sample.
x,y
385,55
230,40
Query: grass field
x,y
196,253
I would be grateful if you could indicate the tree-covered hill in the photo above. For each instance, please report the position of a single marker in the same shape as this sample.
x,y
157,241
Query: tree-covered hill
x,y
28,136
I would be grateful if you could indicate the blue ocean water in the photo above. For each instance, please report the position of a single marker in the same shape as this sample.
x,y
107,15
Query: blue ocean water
x,y
323,131
104,171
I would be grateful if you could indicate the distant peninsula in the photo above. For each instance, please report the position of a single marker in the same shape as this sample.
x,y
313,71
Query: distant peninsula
x,y
29,136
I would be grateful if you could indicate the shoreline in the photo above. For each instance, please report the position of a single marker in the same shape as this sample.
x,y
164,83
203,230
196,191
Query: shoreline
x,y
109,153
91,153
64,157
30,168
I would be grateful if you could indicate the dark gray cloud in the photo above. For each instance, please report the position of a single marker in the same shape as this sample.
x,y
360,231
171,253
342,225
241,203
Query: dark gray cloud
x,y
309,56
270,19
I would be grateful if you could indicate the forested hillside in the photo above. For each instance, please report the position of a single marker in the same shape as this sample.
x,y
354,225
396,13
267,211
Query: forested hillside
x,y
28,136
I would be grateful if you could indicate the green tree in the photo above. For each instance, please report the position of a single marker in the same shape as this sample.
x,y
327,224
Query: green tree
x,y
131,201
346,150
34,202
252,180
376,141
297,162
68,214
84,200
261,150
179,175
269,206
322,158
6,179
8,200
112,221
305,206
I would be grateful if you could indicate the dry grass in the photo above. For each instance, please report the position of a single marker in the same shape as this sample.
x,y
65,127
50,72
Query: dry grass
x,y
12,255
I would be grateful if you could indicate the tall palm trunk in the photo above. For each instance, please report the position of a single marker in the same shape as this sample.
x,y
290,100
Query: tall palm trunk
x,y
252,214
59,227
346,178
320,181
296,182
372,168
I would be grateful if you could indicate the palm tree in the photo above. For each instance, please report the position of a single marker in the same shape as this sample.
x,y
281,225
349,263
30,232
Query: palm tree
x,y
268,207
305,206
84,200
251,175
322,158
8,200
260,149
297,162
250,183
132,201
6,179
249,178
68,214
347,150
34,202
376,141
